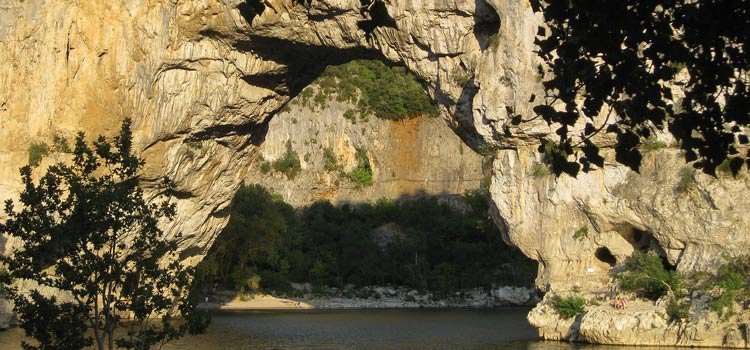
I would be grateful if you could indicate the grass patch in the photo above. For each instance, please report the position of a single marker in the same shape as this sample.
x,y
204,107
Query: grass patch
x,y
687,180
581,233
37,151
651,144
540,170
569,306
265,167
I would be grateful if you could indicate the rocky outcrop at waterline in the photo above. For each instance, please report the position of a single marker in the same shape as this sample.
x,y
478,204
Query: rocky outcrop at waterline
x,y
641,322
201,80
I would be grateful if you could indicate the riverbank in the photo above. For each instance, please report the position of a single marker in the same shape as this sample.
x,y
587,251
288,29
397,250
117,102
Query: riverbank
x,y
373,298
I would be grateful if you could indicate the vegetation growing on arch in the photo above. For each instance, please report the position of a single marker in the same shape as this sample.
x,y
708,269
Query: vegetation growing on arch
x,y
330,162
645,275
386,92
733,281
87,230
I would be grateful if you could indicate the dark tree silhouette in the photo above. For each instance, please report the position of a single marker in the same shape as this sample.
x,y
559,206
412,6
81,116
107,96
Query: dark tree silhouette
x,y
620,58
88,232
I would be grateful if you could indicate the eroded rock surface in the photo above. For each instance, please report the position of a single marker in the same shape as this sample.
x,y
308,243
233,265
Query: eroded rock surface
x,y
409,158
640,323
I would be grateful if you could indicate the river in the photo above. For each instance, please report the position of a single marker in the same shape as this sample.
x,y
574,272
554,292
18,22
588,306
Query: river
x,y
410,329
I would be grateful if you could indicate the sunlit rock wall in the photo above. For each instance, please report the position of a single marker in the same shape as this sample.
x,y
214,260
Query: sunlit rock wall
x,y
409,158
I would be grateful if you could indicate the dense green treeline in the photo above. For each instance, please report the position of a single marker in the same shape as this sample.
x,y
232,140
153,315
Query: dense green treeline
x,y
419,243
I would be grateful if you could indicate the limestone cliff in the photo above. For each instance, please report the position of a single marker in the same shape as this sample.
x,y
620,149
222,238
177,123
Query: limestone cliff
x,y
202,78
409,157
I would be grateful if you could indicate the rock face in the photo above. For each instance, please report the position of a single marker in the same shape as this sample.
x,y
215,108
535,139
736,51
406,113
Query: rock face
x,y
641,323
202,78
6,314
410,157
580,228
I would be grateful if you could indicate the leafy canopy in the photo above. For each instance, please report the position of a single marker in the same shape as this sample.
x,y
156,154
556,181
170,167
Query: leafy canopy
x,y
88,232
624,59
387,92
422,243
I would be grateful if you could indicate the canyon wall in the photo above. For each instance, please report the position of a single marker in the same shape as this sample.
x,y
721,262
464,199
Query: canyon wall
x,y
409,158
202,78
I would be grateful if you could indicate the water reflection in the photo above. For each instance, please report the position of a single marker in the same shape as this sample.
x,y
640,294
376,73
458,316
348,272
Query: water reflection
x,y
372,329
470,329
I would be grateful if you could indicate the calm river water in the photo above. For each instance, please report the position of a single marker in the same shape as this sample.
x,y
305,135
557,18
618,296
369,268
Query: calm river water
x,y
453,329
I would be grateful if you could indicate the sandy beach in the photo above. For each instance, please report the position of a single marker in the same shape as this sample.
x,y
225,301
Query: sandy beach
x,y
377,298
258,302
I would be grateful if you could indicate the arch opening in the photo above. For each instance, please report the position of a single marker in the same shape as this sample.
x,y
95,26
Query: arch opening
x,y
486,24
326,137
603,254
639,239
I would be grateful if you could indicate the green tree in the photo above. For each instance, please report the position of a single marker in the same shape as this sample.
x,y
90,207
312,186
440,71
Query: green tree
x,y
89,233
623,58
288,164
361,175
253,244
644,274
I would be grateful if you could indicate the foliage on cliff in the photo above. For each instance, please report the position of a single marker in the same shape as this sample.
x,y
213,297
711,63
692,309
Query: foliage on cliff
x,y
288,164
644,274
386,92
87,230
361,175
37,151
569,306
628,58
419,243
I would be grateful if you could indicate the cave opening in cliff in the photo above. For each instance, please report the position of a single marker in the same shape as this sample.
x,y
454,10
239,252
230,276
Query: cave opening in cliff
x,y
486,24
250,9
378,17
642,240
639,239
604,255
